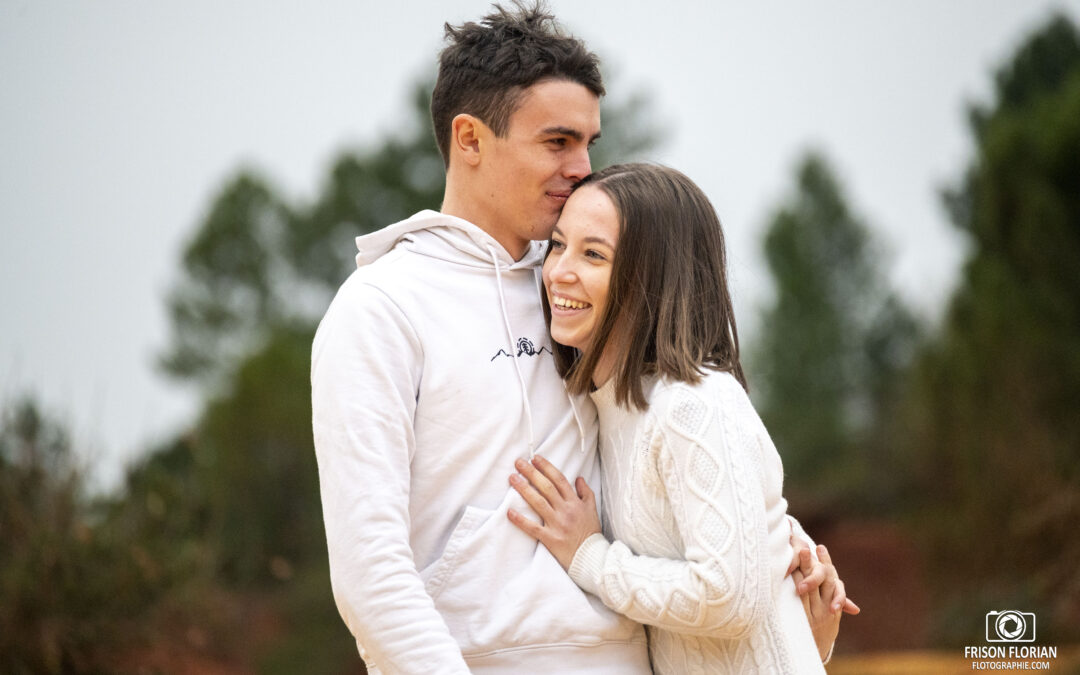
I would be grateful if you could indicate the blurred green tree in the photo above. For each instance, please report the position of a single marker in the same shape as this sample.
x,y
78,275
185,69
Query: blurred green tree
x,y
994,424
71,594
833,340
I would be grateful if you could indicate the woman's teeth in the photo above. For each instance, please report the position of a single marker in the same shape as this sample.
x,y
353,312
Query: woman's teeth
x,y
568,303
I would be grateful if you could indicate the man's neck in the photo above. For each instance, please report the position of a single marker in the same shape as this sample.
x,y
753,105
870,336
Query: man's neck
x,y
460,206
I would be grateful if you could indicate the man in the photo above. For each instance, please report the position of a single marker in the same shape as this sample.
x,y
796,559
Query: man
x,y
431,374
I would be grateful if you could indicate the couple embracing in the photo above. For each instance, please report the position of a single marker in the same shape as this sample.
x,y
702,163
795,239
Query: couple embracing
x,y
536,452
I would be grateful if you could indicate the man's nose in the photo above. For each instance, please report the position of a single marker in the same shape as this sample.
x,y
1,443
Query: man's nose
x,y
578,165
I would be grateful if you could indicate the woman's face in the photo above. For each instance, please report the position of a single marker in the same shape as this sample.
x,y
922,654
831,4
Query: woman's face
x,y
577,272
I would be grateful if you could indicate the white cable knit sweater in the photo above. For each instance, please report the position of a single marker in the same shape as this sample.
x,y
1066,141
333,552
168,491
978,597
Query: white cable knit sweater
x,y
701,543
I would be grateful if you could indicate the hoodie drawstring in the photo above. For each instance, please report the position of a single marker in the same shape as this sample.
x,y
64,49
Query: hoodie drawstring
x,y
569,396
514,351
577,418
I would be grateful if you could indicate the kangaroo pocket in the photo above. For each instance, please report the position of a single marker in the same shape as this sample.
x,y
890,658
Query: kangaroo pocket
x,y
436,574
497,588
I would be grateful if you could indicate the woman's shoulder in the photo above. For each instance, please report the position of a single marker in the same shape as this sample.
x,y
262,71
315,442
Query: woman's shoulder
x,y
687,407
714,386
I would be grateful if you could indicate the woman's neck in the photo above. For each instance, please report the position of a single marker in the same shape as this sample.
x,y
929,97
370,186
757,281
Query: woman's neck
x,y
605,365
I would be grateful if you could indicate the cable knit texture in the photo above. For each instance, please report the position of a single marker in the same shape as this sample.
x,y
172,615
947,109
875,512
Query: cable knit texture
x,y
696,538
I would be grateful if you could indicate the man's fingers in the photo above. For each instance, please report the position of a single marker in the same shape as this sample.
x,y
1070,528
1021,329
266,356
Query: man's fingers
x,y
555,476
538,480
532,497
836,603
833,587
813,579
797,547
800,561
806,604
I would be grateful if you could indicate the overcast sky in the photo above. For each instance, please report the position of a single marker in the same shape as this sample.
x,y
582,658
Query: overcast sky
x,y
120,120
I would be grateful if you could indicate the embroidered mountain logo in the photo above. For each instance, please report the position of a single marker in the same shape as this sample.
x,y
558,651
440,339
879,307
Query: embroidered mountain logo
x,y
524,347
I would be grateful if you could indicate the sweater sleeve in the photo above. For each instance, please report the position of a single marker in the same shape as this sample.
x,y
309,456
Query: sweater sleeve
x,y
365,369
721,587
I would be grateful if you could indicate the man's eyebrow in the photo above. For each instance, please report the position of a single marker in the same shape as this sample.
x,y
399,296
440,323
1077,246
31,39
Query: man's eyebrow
x,y
568,131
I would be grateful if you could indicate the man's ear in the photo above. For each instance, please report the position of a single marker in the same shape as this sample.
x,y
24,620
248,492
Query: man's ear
x,y
467,136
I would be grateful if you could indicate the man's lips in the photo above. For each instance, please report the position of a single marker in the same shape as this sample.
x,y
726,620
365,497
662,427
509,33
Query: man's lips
x,y
561,195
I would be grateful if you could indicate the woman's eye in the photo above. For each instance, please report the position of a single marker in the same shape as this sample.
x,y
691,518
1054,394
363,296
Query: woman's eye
x,y
595,254
555,245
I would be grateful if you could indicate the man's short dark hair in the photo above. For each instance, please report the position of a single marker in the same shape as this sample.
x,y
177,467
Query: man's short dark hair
x,y
486,67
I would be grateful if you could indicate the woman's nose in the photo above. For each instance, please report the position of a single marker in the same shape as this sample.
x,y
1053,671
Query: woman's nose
x,y
563,270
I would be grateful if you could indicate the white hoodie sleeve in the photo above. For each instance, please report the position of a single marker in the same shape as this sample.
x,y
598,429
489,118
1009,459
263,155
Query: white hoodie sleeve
x,y
365,368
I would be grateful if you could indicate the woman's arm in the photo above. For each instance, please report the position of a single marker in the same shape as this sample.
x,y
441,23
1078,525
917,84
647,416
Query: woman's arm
x,y
721,587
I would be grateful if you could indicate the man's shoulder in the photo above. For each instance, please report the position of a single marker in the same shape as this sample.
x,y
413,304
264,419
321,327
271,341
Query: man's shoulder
x,y
370,291
396,273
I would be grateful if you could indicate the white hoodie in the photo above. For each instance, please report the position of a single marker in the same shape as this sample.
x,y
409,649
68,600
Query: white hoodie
x,y
431,373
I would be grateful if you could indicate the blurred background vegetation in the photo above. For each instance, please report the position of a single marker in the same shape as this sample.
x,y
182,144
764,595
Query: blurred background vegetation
x,y
940,462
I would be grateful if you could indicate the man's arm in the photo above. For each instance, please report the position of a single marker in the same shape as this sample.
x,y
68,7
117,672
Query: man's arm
x,y
365,370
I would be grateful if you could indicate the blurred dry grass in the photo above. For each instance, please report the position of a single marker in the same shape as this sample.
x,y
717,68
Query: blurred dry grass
x,y
944,662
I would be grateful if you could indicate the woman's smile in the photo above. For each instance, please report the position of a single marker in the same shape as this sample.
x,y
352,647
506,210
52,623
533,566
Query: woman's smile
x,y
577,271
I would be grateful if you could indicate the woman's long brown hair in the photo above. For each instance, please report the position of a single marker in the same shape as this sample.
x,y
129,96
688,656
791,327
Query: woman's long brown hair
x,y
668,296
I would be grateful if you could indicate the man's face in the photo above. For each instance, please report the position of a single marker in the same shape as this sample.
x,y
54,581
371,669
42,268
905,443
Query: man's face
x,y
531,170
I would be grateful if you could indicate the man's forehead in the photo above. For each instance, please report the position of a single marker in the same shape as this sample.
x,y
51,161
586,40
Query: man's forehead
x,y
557,106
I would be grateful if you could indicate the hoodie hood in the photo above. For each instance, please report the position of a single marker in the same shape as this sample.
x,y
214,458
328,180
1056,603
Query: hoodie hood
x,y
448,238
455,240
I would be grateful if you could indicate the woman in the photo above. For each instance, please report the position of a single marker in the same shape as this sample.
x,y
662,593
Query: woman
x,y
638,304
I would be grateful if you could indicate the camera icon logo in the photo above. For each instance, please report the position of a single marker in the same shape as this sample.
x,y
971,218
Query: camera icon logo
x,y
1010,626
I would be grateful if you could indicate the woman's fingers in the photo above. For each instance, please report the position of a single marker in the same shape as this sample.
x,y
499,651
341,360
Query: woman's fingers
x,y
528,526
539,481
532,497
556,477
584,491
